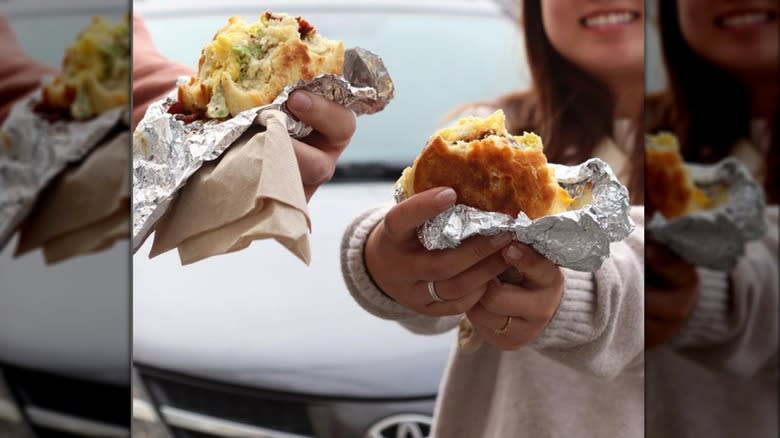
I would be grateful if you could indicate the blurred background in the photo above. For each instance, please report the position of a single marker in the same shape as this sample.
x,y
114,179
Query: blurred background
x,y
64,325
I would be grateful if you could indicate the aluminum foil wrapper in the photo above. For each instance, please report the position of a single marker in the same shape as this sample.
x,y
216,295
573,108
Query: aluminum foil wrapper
x,y
716,238
166,151
577,239
33,151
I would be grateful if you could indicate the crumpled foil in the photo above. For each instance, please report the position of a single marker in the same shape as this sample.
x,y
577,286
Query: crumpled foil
x,y
166,151
577,239
716,238
33,151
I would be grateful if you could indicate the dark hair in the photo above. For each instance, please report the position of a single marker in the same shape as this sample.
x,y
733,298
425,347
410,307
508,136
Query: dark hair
x,y
708,108
569,108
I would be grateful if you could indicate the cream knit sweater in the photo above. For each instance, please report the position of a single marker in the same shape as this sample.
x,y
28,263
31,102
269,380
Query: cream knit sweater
x,y
718,377
583,377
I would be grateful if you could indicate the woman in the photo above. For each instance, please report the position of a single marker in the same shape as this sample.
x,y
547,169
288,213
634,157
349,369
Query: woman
x,y
733,111
712,367
564,349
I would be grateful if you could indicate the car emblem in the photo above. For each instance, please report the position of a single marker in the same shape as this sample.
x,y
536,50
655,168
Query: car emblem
x,y
401,426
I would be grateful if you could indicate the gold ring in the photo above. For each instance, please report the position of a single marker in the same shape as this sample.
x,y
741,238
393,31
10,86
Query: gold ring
x,y
506,326
432,291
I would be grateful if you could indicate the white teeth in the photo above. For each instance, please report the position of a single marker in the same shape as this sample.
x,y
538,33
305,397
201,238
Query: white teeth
x,y
609,19
745,19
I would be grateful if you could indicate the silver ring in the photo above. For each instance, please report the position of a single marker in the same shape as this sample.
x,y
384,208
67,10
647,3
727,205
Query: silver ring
x,y
506,326
432,291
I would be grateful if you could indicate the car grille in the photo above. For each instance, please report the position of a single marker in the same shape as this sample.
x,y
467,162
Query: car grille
x,y
63,407
180,396
196,408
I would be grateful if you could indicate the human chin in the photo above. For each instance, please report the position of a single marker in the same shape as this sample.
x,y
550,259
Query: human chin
x,y
759,60
623,59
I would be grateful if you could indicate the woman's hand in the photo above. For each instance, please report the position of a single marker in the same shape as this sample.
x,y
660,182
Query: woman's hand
x,y
333,126
403,268
510,316
671,293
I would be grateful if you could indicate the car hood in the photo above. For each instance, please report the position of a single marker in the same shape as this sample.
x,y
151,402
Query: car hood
x,y
261,318
71,318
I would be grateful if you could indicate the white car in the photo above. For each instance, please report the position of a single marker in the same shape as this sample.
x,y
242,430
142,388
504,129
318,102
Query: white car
x,y
255,343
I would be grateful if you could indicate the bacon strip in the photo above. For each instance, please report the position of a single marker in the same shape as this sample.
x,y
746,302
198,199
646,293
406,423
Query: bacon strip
x,y
304,27
180,113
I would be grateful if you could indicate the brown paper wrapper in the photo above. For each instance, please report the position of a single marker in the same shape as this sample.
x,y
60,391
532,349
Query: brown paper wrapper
x,y
95,238
252,192
85,209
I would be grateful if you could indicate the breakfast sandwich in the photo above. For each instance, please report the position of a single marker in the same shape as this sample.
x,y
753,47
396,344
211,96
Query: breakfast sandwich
x,y
95,74
670,187
489,169
248,64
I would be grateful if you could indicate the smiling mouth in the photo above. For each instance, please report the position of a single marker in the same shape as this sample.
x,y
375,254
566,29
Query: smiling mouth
x,y
740,20
608,19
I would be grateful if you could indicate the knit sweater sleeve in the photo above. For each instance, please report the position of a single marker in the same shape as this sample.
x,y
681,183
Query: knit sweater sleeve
x,y
734,326
599,325
366,292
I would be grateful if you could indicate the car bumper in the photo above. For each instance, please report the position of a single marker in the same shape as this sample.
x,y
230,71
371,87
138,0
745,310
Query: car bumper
x,y
190,407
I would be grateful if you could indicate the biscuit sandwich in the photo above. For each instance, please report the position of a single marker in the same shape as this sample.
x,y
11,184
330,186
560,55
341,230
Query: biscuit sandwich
x,y
489,169
95,74
247,65
670,187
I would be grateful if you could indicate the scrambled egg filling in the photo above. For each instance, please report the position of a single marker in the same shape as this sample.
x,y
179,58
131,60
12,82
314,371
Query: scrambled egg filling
x,y
248,64
471,128
95,74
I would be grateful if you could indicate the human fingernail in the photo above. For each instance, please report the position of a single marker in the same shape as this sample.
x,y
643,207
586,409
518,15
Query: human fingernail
x,y
500,239
299,101
514,254
445,197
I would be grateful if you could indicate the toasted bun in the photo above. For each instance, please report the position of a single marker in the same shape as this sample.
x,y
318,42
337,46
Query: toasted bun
x,y
489,169
95,74
670,188
248,65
